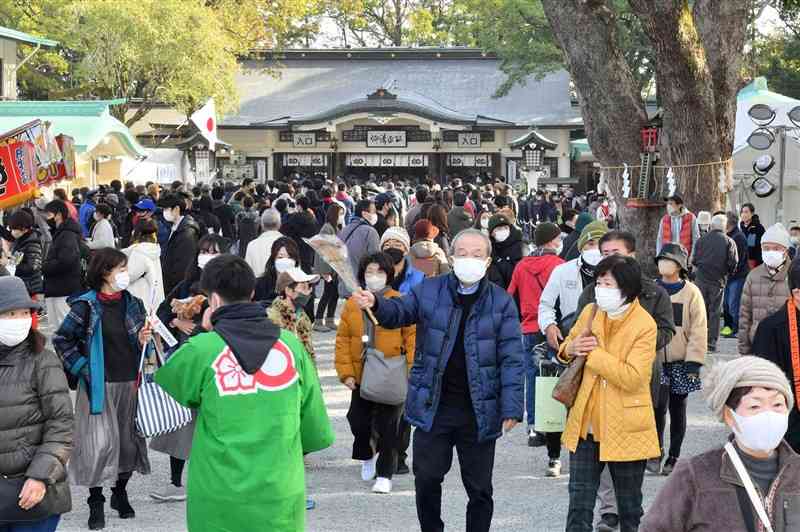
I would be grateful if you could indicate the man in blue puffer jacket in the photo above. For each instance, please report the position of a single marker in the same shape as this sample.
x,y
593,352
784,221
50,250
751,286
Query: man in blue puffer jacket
x,y
466,384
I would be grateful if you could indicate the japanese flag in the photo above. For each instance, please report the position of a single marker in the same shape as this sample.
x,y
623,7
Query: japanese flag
x,y
205,119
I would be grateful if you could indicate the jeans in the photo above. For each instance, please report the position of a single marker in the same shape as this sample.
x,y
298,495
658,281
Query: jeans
x,y
330,297
45,525
433,455
677,423
733,300
362,415
585,468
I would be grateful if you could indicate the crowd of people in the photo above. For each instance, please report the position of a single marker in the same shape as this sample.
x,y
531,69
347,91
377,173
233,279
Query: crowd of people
x,y
466,296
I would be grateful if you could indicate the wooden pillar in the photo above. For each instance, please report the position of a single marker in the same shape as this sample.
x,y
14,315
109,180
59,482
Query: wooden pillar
x,y
495,165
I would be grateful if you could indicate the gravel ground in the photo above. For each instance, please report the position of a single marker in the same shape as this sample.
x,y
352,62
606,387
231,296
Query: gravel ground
x,y
524,499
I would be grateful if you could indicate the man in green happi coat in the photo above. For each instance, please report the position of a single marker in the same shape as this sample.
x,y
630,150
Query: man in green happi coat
x,y
259,410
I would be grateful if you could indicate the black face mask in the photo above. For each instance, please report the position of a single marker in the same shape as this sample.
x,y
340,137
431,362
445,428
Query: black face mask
x,y
51,223
301,300
396,254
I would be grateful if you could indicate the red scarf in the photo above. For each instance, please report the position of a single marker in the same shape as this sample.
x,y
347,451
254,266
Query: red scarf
x,y
105,298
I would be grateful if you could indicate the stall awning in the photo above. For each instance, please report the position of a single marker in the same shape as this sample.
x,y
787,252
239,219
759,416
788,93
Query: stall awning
x,y
90,123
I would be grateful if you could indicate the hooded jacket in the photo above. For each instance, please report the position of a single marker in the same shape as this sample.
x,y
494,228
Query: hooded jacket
x,y
62,267
459,219
29,269
35,420
180,252
144,269
505,256
527,284
492,350
361,240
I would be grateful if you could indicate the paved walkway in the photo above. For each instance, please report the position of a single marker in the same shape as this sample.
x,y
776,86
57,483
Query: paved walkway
x,y
524,499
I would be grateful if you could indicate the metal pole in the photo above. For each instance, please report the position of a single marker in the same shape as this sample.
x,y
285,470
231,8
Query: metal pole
x,y
779,207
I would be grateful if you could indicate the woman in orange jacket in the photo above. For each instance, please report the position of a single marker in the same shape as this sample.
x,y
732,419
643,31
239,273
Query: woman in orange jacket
x,y
376,273
611,422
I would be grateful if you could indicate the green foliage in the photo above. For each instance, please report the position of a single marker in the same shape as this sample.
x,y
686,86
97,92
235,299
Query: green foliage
x,y
777,58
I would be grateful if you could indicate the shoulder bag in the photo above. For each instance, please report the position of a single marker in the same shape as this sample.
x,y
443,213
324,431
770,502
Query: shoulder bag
x,y
566,389
744,476
384,379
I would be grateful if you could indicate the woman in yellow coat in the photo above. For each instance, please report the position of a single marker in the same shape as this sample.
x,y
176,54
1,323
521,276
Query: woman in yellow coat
x,y
612,422
376,273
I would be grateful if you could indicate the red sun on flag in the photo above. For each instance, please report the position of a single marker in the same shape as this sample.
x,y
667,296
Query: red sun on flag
x,y
210,124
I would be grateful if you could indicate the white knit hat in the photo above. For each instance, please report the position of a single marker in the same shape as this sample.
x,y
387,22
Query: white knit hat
x,y
777,234
704,218
743,372
396,233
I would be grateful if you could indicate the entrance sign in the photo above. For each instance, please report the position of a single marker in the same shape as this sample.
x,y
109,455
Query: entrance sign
x,y
304,140
469,140
386,139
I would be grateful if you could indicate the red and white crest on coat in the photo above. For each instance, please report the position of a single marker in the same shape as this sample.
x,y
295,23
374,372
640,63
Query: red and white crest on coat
x,y
278,372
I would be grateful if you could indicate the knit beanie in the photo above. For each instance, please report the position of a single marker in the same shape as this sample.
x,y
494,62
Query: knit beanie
x,y
593,231
497,220
703,218
584,219
425,230
743,372
777,234
545,232
396,233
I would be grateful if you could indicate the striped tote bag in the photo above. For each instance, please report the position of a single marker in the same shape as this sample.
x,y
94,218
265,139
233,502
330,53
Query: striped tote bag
x,y
157,412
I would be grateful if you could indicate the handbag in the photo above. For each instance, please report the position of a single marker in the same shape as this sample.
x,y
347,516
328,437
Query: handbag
x,y
551,415
744,476
384,379
157,412
566,389
10,512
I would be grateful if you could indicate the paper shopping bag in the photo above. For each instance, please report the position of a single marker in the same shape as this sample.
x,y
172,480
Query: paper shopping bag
x,y
551,415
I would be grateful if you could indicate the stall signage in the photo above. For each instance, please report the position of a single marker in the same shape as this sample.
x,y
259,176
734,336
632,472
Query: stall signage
x,y
469,140
17,173
386,139
304,140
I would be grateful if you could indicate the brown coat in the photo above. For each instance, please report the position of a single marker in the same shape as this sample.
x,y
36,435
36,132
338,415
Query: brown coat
x,y
690,342
614,397
349,343
762,296
700,496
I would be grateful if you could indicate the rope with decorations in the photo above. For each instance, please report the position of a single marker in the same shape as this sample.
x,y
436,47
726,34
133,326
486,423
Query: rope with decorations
x,y
668,179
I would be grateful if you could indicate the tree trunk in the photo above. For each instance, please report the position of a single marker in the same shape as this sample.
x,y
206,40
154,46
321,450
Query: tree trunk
x,y
698,56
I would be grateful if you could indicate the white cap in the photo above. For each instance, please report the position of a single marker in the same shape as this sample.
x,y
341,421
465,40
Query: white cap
x,y
777,234
293,275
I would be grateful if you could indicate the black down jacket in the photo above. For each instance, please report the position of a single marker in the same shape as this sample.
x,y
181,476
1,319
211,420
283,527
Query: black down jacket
x,y
62,267
35,420
29,268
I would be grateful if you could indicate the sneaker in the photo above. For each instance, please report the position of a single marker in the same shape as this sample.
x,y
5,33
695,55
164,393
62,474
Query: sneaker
x,y
368,468
654,466
553,469
320,327
535,439
382,485
669,465
171,493
402,468
608,523
726,331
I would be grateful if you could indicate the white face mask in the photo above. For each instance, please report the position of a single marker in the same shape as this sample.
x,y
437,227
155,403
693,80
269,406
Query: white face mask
x,y
469,270
560,248
341,221
169,215
762,432
667,268
502,234
281,265
375,283
371,218
795,240
671,209
609,300
592,257
14,331
121,281
485,223
204,258
773,259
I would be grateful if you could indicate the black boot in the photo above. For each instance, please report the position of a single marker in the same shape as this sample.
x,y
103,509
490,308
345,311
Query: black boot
x,y
119,502
97,514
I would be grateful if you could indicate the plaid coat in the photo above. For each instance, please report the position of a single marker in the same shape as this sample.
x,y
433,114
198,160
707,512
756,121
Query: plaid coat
x,y
79,341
